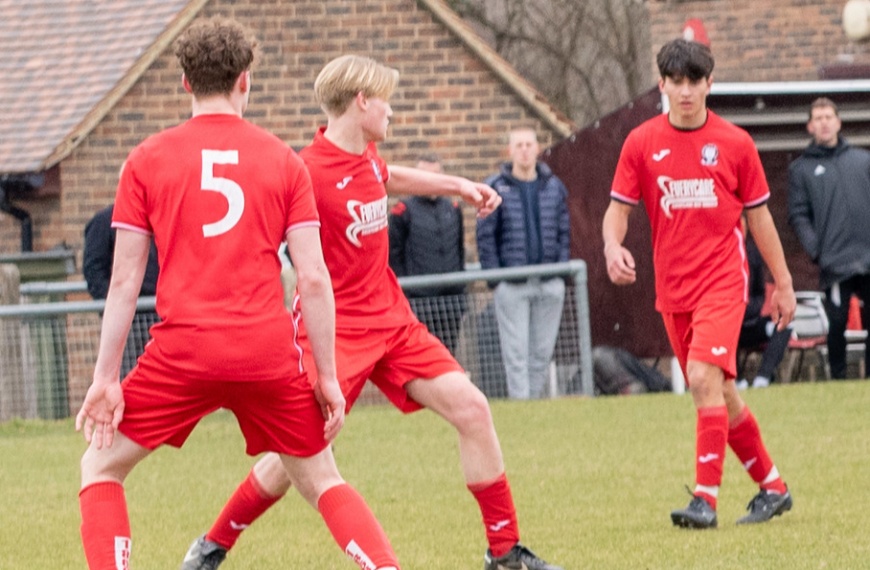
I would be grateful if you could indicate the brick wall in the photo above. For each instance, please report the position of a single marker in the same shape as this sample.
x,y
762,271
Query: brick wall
x,y
447,101
769,40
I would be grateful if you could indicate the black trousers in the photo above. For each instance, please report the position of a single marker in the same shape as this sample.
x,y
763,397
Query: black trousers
x,y
754,333
137,339
442,315
837,299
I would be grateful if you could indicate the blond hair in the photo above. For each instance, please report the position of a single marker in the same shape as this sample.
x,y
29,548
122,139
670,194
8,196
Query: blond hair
x,y
345,76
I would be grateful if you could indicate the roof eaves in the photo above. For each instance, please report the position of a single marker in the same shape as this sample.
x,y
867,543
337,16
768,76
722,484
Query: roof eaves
x,y
790,87
530,96
95,115
775,113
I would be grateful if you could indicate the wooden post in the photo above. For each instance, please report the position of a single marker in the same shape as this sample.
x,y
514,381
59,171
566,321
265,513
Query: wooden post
x,y
13,393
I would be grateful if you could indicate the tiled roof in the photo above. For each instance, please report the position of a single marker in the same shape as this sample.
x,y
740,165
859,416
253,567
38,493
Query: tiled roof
x,y
64,65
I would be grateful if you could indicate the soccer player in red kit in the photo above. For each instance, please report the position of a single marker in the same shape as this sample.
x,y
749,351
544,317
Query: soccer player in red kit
x,y
377,335
696,174
219,195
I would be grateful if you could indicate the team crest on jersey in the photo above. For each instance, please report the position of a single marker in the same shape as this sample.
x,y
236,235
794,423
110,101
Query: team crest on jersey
x,y
710,155
377,171
367,219
686,194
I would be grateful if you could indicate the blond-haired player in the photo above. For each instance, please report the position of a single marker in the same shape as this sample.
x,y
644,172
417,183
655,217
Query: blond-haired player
x,y
378,338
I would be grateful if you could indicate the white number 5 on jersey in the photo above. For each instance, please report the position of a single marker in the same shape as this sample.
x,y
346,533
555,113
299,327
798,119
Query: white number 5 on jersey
x,y
230,190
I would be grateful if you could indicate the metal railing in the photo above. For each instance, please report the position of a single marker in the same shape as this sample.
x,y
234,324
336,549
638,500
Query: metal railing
x,y
48,349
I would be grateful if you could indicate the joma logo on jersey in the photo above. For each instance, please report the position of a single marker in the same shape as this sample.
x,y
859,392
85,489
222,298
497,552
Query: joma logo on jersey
x,y
367,219
686,194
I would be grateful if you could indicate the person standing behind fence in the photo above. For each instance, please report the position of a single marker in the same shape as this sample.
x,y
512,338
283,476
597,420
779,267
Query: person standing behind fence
x,y
98,257
696,174
427,237
828,202
757,328
530,228
378,338
219,195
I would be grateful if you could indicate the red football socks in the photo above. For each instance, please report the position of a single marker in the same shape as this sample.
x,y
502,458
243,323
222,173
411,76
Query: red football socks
x,y
355,528
710,443
499,515
105,526
248,502
744,437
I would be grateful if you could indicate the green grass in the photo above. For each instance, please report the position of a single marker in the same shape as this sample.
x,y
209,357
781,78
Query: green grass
x,y
593,479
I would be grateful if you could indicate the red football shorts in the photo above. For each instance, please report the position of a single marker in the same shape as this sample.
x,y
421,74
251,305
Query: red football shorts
x,y
707,334
274,415
390,358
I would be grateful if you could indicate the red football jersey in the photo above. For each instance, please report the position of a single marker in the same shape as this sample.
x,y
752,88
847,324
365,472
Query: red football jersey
x,y
352,203
695,185
219,195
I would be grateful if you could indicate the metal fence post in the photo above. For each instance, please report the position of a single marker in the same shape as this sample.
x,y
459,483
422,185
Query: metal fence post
x,y
581,293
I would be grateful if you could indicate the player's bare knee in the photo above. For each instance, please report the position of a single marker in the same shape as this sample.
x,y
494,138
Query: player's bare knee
x,y
272,475
312,476
733,400
86,464
472,411
96,467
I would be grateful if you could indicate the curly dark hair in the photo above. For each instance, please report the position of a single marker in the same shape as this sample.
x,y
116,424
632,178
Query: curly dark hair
x,y
213,53
684,58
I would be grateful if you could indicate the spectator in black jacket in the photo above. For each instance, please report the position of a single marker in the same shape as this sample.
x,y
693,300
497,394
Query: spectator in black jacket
x,y
759,330
828,202
427,237
97,269
531,227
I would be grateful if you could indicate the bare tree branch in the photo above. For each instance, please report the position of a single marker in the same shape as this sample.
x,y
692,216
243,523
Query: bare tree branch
x,y
586,56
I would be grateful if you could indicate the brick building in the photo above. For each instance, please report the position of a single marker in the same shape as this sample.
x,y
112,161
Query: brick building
x,y
85,85
772,40
81,97
82,87
86,81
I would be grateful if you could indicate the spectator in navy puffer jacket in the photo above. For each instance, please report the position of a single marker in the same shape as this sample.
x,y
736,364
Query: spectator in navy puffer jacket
x,y
531,227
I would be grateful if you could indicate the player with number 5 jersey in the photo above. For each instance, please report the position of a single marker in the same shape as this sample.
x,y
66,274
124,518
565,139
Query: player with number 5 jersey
x,y
218,195
212,200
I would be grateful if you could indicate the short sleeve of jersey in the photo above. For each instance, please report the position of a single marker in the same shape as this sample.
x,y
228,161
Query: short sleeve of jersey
x,y
130,211
626,187
303,206
753,188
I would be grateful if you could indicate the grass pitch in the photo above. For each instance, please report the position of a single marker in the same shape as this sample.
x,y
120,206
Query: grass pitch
x,y
594,481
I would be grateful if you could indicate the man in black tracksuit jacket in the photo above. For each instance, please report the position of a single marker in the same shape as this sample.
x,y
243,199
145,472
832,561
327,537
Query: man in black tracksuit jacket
x,y
98,257
427,237
829,210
